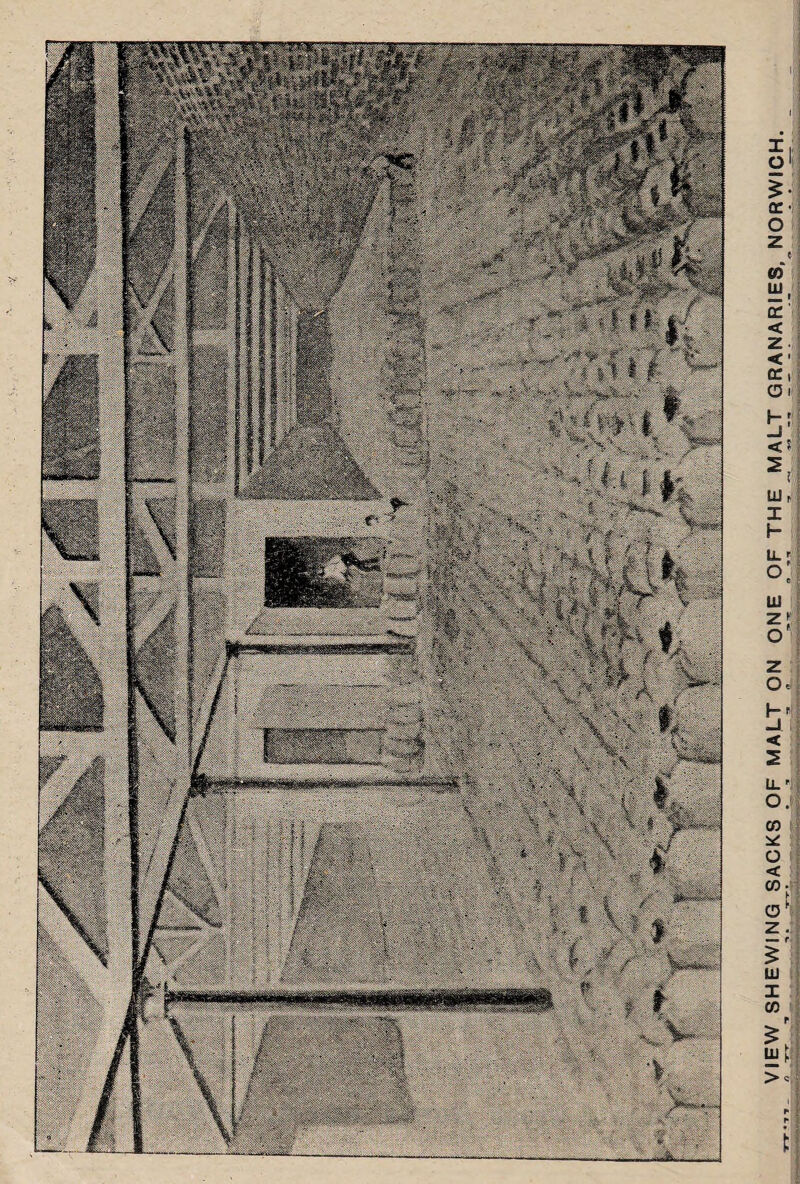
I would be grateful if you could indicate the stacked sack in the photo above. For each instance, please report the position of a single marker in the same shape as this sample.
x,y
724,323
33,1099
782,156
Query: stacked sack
x,y
403,749
642,430
578,495
403,372
403,375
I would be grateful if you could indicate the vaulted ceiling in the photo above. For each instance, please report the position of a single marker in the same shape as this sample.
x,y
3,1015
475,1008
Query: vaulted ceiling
x,y
292,129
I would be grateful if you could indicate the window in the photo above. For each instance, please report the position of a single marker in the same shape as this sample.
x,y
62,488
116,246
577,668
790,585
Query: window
x,y
291,573
322,746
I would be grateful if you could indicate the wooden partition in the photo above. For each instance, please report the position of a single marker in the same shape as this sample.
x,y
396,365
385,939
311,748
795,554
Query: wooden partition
x,y
88,907
159,391
264,337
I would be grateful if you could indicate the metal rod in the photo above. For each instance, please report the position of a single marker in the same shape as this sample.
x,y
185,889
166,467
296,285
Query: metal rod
x,y
286,645
231,784
359,999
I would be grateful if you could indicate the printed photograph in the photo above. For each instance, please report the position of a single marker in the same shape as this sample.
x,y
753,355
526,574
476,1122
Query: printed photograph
x,y
380,781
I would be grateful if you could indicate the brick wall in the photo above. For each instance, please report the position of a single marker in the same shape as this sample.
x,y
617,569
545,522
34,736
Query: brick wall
x,y
569,208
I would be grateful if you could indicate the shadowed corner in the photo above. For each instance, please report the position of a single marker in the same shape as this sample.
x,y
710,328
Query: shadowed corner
x,y
322,1070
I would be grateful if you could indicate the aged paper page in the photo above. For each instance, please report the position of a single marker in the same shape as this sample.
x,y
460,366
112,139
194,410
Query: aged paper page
x,y
398,584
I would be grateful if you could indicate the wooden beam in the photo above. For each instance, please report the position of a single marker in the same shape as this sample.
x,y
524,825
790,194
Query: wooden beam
x,y
230,376
66,744
69,489
273,377
151,734
266,345
57,575
155,615
158,867
149,183
112,515
56,313
181,753
86,305
71,340
280,362
291,407
208,705
144,321
287,386
244,369
113,552
152,533
56,50
209,490
216,338
81,958
124,1138
255,361
183,624
55,791
162,487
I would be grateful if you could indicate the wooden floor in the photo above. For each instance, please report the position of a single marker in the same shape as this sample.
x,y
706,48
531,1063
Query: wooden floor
x,y
408,899
398,891
481,1086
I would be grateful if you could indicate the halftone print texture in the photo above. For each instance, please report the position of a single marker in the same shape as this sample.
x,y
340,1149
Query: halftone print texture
x,y
380,692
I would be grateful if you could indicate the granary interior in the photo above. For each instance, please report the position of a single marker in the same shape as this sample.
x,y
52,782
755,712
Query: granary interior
x,y
454,311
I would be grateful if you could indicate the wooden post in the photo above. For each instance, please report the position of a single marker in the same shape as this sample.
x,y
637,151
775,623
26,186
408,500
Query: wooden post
x,y
280,362
183,623
292,417
244,369
273,373
287,385
232,477
267,386
112,515
255,361
231,466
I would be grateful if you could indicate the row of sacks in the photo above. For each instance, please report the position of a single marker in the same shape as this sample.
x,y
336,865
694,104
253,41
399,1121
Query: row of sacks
x,y
652,266
680,805
621,109
643,981
684,722
610,938
693,485
602,184
403,368
686,1001
635,321
685,255
640,980
651,969
657,424
591,928
402,373
692,335
636,373
679,189
634,552
402,748
661,714
665,140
